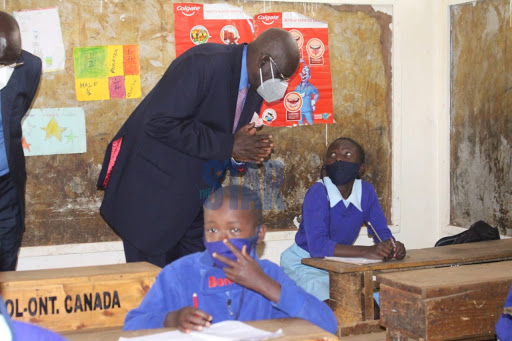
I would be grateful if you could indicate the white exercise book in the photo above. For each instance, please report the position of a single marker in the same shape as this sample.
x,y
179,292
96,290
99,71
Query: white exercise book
x,y
222,331
354,260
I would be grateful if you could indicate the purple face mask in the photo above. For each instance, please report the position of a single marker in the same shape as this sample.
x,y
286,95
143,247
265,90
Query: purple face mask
x,y
221,249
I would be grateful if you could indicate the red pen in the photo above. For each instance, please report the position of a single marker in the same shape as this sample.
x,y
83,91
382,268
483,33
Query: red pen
x,y
194,298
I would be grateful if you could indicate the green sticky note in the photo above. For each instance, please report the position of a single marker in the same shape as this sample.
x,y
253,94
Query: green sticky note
x,y
90,62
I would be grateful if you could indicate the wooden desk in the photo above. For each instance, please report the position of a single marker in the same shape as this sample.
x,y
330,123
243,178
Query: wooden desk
x,y
76,298
351,285
450,303
293,329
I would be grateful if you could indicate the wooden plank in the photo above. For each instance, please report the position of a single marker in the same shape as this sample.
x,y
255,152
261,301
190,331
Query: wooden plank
x,y
445,303
368,311
127,269
373,336
345,298
488,251
78,298
470,313
446,281
361,327
293,329
402,311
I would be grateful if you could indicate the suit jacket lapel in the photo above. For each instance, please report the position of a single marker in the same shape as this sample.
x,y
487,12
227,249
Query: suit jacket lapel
x,y
236,69
252,104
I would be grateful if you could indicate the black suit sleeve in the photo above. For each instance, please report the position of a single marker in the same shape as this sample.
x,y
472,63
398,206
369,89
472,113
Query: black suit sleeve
x,y
36,74
176,103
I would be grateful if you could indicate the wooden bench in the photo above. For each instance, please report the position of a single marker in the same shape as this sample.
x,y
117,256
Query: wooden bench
x,y
76,298
444,304
352,285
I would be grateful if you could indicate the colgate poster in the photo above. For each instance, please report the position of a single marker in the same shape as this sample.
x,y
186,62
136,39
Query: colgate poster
x,y
196,24
309,96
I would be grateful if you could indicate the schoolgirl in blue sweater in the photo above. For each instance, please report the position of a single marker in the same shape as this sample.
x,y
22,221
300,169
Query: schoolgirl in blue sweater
x,y
333,212
230,282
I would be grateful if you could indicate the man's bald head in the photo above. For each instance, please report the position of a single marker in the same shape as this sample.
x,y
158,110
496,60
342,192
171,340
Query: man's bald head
x,y
10,39
277,44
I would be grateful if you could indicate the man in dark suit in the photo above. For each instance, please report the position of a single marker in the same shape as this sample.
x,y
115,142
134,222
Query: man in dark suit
x,y
177,144
20,73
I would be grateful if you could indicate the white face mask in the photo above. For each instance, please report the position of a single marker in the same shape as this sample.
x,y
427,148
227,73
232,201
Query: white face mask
x,y
5,75
272,89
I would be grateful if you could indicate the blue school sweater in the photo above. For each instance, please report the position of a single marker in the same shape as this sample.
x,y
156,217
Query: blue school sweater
x,y
223,299
322,226
504,325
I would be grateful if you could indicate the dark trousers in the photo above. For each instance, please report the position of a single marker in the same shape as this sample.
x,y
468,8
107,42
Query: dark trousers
x,y
190,242
11,230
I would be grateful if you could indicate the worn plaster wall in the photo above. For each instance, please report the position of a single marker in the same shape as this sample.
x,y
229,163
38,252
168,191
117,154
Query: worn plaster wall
x,y
481,116
61,195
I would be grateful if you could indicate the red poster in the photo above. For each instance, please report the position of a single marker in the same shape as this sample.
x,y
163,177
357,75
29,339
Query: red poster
x,y
196,24
309,96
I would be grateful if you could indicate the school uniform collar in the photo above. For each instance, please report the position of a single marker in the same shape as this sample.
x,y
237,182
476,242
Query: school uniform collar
x,y
335,196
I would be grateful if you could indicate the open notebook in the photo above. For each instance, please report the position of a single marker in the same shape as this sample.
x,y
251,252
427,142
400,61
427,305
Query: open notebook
x,y
354,260
222,331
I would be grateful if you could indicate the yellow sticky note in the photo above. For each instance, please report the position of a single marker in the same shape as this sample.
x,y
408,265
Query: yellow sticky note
x,y
132,86
115,60
92,89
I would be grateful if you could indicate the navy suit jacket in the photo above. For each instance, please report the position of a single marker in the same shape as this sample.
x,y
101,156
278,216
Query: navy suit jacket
x,y
16,99
156,187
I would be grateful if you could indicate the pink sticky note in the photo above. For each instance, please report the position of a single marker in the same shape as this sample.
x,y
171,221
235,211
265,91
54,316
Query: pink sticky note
x,y
116,87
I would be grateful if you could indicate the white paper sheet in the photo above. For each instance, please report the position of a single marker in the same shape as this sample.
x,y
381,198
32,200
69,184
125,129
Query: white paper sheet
x,y
354,260
222,331
54,131
41,35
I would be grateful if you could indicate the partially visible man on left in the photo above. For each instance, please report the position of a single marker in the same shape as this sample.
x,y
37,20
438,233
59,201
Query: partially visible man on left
x,y
20,73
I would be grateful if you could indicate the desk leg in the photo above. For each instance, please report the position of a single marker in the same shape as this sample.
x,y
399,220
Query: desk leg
x,y
351,299
367,295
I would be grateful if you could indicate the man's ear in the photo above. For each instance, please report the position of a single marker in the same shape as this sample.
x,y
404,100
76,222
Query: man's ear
x,y
263,59
261,235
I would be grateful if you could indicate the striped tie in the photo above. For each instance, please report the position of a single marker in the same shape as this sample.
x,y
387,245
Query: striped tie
x,y
239,105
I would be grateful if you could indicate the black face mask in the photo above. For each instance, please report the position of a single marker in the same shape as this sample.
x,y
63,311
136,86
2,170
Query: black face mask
x,y
342,172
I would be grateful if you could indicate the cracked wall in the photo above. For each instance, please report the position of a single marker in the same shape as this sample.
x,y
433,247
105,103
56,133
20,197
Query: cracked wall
x,y
480,114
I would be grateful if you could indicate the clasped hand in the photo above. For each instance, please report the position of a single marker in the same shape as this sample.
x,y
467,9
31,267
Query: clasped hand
x,y
249,147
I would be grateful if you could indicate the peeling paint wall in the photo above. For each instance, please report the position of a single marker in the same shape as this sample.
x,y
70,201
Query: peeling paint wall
x,y
62,201
481,116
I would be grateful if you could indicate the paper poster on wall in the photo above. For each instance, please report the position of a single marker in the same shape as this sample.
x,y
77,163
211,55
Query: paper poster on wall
x,y
54,131
107,72
197,24
41,35
308,99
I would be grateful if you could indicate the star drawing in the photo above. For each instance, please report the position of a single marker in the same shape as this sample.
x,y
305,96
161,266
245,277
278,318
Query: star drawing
x,y
25,144
53,129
